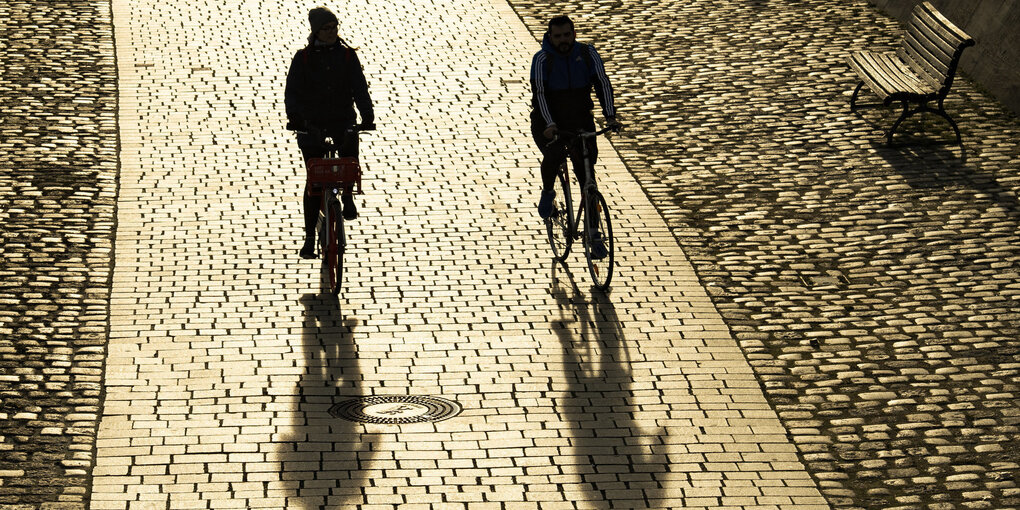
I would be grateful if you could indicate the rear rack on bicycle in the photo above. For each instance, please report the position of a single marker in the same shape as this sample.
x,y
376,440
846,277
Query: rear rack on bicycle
x,y
342,172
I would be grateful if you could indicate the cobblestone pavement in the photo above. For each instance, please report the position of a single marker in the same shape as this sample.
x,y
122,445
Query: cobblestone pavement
x,y
873,290
58,141
224,360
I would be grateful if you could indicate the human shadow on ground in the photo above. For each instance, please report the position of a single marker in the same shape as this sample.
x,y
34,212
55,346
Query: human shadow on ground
x,y
325,460
614,457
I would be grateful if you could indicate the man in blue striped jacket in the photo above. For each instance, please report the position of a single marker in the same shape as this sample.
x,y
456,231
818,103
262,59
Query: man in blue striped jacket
x,y
563,74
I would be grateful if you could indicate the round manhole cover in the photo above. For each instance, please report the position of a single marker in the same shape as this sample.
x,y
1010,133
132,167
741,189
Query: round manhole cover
x,y
395,409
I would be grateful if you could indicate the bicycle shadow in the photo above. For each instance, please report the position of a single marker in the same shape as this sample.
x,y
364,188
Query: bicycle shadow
x,y
614,455
325,460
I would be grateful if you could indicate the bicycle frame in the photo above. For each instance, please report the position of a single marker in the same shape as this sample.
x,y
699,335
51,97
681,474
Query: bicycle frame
x,y
332,175
592,207
580,137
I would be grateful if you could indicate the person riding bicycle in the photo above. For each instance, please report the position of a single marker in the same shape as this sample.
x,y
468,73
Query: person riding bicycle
x,y
563,74
324,83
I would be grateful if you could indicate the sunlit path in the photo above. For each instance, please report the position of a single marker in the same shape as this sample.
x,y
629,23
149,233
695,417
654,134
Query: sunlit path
x,y
224,360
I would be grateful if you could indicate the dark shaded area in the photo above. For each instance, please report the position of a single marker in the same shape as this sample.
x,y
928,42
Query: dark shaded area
x,y
873,290
58,136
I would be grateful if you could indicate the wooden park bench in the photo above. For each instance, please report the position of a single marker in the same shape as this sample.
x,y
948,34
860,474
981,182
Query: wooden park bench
x,y
919,72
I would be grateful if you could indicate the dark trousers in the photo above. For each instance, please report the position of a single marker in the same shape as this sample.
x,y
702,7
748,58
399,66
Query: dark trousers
x,y
312,147
553,157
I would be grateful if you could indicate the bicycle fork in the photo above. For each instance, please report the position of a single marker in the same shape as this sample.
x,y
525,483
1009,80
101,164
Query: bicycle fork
x,y
588,211
322,223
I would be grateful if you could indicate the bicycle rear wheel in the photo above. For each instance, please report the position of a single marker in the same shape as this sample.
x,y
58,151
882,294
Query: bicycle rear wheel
x,y
598,228
332,243
559,223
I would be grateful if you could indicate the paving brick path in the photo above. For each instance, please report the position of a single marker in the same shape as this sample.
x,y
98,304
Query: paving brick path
x,y
58,167
873,290
224,359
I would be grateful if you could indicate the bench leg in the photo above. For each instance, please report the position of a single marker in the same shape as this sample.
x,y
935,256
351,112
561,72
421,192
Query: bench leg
x,y
853,98
942,113
906,113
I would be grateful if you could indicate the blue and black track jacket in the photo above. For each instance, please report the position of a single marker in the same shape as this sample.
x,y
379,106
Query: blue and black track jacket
x,y
323,85
561,85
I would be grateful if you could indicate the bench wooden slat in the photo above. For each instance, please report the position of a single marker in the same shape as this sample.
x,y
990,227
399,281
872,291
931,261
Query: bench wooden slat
x,y
897,69
871,71
935,35
887,74
951,32
921,58
933,43
934,52
863,63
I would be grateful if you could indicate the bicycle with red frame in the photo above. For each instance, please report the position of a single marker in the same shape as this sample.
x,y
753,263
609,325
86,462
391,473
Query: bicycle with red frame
x,y
330,177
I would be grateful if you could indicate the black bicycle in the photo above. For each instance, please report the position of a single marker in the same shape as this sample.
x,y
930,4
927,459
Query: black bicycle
x,y
562,225
329,177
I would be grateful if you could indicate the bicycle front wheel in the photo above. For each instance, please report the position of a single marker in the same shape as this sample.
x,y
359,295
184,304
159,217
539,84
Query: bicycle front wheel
x,y
598,240
558,225
333,249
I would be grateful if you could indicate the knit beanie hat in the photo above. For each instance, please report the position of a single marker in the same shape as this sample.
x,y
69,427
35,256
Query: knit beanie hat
x,y
319,16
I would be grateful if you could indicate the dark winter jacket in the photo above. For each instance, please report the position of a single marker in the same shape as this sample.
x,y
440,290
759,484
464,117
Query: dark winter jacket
x,y
561,85
323,85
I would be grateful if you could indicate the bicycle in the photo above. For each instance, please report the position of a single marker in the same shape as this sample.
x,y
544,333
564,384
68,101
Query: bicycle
x,y
329,176
562,226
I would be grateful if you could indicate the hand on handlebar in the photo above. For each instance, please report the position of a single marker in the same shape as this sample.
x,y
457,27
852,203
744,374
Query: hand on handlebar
x,y
303,127
367,126
613,124
551,132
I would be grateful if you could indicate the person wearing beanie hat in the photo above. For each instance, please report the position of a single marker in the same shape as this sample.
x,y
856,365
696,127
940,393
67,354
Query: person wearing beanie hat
x,y
324,84
318,17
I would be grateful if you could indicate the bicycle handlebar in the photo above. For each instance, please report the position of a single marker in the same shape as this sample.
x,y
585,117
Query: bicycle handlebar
x,y
573,135
333,145
357,128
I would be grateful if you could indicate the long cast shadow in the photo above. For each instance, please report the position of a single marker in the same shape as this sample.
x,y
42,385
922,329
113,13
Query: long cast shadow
x,y
614,457
938,166
325,460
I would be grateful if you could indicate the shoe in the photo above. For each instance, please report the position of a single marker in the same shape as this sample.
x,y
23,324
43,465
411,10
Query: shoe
x,y
598,246
308,250
350,210
545,204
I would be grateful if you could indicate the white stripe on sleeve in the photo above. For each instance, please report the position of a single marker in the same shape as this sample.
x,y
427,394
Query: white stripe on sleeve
x,y
538,86
607,89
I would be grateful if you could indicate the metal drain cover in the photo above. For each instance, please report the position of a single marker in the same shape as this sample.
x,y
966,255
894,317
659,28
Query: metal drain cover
x,y
395,409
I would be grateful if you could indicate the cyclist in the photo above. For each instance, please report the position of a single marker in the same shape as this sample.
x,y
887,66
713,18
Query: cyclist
x,y
563,74
324,83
